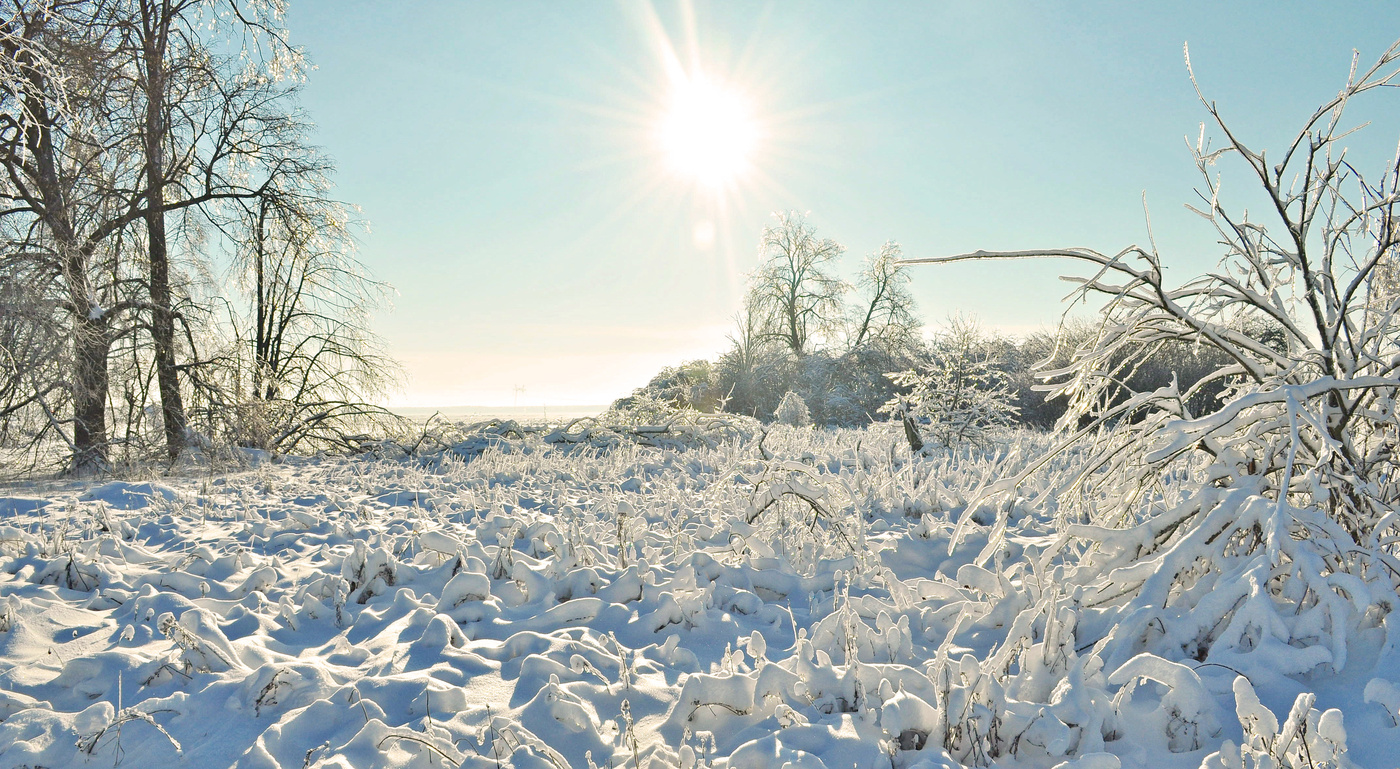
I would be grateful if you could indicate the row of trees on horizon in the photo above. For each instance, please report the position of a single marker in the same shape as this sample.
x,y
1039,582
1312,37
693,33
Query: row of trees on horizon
x,y
848,352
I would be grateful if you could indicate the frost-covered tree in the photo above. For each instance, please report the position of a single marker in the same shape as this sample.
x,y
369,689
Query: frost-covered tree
x,y
209,91
306,359
795,332
793,294
752,376
885,314
961,394
67,203
126,130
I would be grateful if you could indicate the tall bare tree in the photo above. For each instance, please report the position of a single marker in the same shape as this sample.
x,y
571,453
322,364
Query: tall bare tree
x,y
212,127
793,291
63,205
155,22
119,113
312,359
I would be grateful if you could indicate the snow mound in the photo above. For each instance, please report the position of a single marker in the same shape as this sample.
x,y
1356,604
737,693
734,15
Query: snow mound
x,y
121,495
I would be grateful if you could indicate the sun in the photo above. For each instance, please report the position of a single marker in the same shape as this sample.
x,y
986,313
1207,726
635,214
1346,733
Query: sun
x,y
708,133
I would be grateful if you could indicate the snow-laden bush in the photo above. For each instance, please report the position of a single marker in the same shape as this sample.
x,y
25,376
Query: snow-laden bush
x,y
1307,739
792,410
643,407
1257,531
1306,313
960,395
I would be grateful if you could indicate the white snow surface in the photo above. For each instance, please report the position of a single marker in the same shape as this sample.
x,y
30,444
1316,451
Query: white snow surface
x,y
539,605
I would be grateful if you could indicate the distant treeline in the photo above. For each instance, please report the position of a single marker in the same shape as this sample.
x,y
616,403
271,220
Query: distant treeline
x,y
846,388
798,333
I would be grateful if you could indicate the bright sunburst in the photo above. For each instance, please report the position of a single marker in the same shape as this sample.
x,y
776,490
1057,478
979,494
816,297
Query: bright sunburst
x,y
708,133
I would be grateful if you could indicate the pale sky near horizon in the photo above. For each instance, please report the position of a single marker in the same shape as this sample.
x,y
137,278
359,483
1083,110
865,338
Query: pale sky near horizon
x,y
521,202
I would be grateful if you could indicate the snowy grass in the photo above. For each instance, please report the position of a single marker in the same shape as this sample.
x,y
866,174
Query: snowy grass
x,y
564,604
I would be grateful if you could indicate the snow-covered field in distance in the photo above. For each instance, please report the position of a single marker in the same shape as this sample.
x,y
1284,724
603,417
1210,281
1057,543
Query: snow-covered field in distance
x,y
518,603
518,413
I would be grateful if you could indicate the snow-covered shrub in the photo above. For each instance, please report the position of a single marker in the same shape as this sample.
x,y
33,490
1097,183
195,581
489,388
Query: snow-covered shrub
x,y
798,516
792,410
1257,530
643,407
1307,739
203,646
690,385
368,572
1381,692
1307,315
960,395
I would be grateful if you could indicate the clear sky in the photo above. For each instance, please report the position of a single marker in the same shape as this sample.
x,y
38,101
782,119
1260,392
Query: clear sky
x,y
513,162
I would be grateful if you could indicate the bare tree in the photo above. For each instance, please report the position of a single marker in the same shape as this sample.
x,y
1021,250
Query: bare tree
x,y
796,333
202,115
796,298
753,375
747,339
118,121
886,312
155,22
309,356
62,209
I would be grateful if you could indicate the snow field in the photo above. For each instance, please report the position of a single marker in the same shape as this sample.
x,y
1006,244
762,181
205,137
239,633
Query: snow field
x,y
534,604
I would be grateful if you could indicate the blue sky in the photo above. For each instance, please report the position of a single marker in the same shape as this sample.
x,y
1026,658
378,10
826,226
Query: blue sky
x,y
505,155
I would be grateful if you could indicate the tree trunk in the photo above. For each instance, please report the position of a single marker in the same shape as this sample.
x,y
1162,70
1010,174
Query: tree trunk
x,y
172,406
264,368
911,434
911,430
91,345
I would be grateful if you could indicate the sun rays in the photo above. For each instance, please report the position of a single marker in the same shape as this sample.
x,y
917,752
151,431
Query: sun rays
x,y
698,138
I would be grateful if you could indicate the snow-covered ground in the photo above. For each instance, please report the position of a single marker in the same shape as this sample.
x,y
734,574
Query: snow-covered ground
x,y
540,413
521,603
